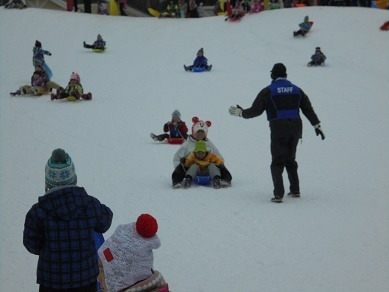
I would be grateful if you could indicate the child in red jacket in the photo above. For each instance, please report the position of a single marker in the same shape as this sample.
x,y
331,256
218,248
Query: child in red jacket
x,y
176,127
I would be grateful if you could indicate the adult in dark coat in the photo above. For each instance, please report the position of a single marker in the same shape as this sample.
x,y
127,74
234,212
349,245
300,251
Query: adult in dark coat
x,y
60,229
282,102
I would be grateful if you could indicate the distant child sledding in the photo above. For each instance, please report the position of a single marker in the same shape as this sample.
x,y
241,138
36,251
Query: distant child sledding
x,y
40,84
237,12
38,58
199,64
318,58
305,26
73,91
175,128
99,44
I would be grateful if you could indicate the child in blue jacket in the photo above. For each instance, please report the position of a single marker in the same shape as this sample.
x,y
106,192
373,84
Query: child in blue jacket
x,y
305,26
318,58
98,44
38,58
200,61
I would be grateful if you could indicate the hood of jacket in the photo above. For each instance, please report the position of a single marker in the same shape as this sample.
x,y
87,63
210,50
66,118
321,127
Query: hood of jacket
x,y
64,202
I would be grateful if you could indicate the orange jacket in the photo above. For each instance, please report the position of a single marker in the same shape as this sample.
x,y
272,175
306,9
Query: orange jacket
x,y
210,158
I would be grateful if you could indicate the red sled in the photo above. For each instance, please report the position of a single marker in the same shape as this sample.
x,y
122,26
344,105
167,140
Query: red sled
x,y
175,140
385,26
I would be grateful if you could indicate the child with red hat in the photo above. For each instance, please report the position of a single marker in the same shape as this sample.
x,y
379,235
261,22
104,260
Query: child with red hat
x,y
127,257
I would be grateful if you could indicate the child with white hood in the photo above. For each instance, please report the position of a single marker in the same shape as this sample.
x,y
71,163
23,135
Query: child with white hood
x,y
127,257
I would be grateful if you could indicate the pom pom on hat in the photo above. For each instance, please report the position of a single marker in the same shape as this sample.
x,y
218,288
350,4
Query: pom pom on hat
x,y
38,44
176,113
200,125
75,76
146,225
60,169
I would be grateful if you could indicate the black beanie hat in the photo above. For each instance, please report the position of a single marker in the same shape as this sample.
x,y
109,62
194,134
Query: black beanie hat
x,y
38,44
279,70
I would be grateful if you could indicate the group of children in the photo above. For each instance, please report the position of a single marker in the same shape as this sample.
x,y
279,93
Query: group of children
x,y
197,156
41,83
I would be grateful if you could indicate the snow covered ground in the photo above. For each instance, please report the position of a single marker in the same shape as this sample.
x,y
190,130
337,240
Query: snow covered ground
x,y
335,238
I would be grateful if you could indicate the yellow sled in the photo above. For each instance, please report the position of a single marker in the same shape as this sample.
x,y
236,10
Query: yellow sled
x,y
154,12
99,50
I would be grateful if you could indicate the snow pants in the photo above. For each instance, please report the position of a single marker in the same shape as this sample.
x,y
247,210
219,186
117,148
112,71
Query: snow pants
x,y
179,174
212,171
283,151
39,90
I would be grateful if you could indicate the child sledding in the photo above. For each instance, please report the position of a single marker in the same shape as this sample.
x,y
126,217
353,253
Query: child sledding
x,y
40,84
305,27
38,58
74,91
317,59
202,163
175,130
237,12
199,64
98,45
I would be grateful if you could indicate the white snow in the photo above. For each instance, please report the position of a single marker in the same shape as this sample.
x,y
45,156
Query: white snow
x,y
335,238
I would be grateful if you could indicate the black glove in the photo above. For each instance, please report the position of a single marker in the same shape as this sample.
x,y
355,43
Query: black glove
x,y
182,160
48,53
236,110
319,131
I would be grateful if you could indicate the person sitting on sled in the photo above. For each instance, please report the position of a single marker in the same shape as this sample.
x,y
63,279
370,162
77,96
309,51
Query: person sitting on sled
x,y
99,44
199,133
200,61
318,58
237,11
37,87
305,26
127,257
74,89
201,162
176,128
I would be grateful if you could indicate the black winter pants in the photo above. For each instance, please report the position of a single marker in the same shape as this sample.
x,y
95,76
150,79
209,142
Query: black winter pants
x,y
283,151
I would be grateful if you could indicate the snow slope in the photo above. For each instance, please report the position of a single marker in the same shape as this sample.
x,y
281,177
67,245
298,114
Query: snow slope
x,y
335,238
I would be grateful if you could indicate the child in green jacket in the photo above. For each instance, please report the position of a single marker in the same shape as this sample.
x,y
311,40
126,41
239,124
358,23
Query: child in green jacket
x,y
73,91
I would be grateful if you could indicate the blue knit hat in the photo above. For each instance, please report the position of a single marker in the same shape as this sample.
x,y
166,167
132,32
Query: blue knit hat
x,y
176,113
60,170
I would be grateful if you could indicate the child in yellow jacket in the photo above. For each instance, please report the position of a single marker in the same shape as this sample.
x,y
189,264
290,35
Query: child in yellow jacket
x,y
200,162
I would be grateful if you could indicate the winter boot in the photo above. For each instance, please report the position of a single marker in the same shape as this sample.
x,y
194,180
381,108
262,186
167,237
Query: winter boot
x,y
186,68
216,182
294,194
188,182
154,137
176,185
276,200
209,68
87,96
54,96
84,44
17,92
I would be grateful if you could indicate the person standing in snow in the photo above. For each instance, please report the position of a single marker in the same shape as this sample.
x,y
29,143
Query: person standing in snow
x,y
282,102
60,230
127,257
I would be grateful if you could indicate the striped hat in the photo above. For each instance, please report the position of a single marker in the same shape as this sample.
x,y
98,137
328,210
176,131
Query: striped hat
x,y
60,170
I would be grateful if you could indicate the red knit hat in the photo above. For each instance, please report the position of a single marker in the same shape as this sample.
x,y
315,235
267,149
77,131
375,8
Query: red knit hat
x,y
146,225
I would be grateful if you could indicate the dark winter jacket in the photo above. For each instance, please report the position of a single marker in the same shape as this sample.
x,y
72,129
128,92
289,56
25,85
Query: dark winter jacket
x,y
318,58
60,229
43,79
99,44
176,131
305,26
282,124
38,56
200,61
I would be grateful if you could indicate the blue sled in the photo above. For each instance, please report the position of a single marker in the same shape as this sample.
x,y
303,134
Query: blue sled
x,y
202,180
198,69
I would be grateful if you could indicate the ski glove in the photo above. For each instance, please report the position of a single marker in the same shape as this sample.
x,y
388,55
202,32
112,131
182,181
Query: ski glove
x,y
319,131
236,110
48,53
